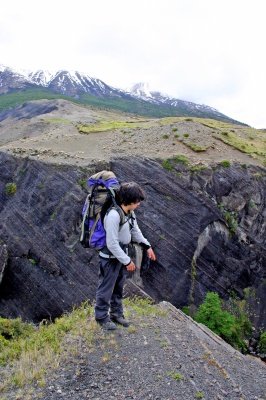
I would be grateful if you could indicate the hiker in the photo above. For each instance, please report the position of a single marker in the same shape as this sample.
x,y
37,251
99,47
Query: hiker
x,y
114,260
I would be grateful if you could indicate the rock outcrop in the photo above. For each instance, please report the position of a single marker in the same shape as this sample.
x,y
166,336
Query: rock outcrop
x,y
207,228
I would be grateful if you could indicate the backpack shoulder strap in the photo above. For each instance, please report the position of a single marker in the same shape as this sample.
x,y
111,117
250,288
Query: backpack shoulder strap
x,y
120,212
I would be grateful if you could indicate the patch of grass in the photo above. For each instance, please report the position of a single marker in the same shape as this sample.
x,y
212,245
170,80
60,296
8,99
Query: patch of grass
x,y
31,350
165,136
104,126
225,163
199,395
83,183
175,375
131,329
144,306
174,130
58,121
197,168
181,159
10,188
169,163
195,147
247,141
186,135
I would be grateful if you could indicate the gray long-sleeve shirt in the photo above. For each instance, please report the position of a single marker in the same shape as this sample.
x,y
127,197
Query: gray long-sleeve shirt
x,y
116,234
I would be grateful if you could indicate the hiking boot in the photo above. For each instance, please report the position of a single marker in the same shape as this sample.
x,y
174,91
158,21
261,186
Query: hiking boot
x,y
108,325
121,321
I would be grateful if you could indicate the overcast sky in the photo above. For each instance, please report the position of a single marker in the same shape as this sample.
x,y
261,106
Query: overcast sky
x,y
206,51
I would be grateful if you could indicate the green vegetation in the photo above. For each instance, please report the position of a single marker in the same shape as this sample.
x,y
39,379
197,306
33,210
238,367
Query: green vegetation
x,y
14,99
31,350
10,188
132,106
175,375
262,343
186,135
199,395
195,147
165,136
83,183
232,328
143,306
28,351
58,121
169,163
248,141
198,168
230,218
225,163
104,126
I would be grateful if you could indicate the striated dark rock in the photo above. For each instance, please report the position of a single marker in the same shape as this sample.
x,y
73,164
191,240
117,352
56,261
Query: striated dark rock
x,y
29,109
3,260
207,229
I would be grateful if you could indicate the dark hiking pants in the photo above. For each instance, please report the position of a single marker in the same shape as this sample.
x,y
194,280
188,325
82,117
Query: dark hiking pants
x,y
112,276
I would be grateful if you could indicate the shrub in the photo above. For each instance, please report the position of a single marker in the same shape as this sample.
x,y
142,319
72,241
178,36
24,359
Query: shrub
x,y
232,329
165,136
10,188
210,313
14,328
262,343
181,159
225,163
178,159
174,129
83,183
231,219
186,135
167,165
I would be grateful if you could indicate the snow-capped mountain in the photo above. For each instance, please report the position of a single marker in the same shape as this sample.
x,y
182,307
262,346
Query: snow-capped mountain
x,y
142,90
74,84
69,83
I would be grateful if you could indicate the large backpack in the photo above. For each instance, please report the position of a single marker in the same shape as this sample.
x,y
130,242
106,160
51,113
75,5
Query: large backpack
x,y
101,198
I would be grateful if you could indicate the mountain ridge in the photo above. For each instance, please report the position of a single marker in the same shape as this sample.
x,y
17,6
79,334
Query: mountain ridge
x,y
80,86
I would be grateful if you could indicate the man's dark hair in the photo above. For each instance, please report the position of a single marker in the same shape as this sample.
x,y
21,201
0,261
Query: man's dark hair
x,y
130,192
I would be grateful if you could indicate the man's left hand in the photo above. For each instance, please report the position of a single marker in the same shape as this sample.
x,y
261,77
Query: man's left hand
x,y
151,254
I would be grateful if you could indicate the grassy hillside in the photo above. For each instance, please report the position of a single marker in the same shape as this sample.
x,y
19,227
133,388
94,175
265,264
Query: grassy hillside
x,y
132,106
14,99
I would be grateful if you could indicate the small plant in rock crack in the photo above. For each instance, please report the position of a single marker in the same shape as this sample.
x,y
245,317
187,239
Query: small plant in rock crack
x,y
106,357
131,329
175,375
10,188
199,395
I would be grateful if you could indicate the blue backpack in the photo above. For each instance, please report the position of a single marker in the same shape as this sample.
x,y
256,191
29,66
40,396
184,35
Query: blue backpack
x,y
101,198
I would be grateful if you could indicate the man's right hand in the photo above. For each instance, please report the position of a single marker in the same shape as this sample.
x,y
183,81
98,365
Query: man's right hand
x,y
131,267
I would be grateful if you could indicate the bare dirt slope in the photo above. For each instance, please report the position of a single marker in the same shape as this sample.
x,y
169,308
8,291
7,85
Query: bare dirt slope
x,y
55,136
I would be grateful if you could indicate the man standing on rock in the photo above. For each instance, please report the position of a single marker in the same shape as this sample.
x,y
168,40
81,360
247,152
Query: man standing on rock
x,y
114,258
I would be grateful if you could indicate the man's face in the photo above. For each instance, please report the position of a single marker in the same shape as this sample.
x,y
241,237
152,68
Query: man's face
x,y
133,206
